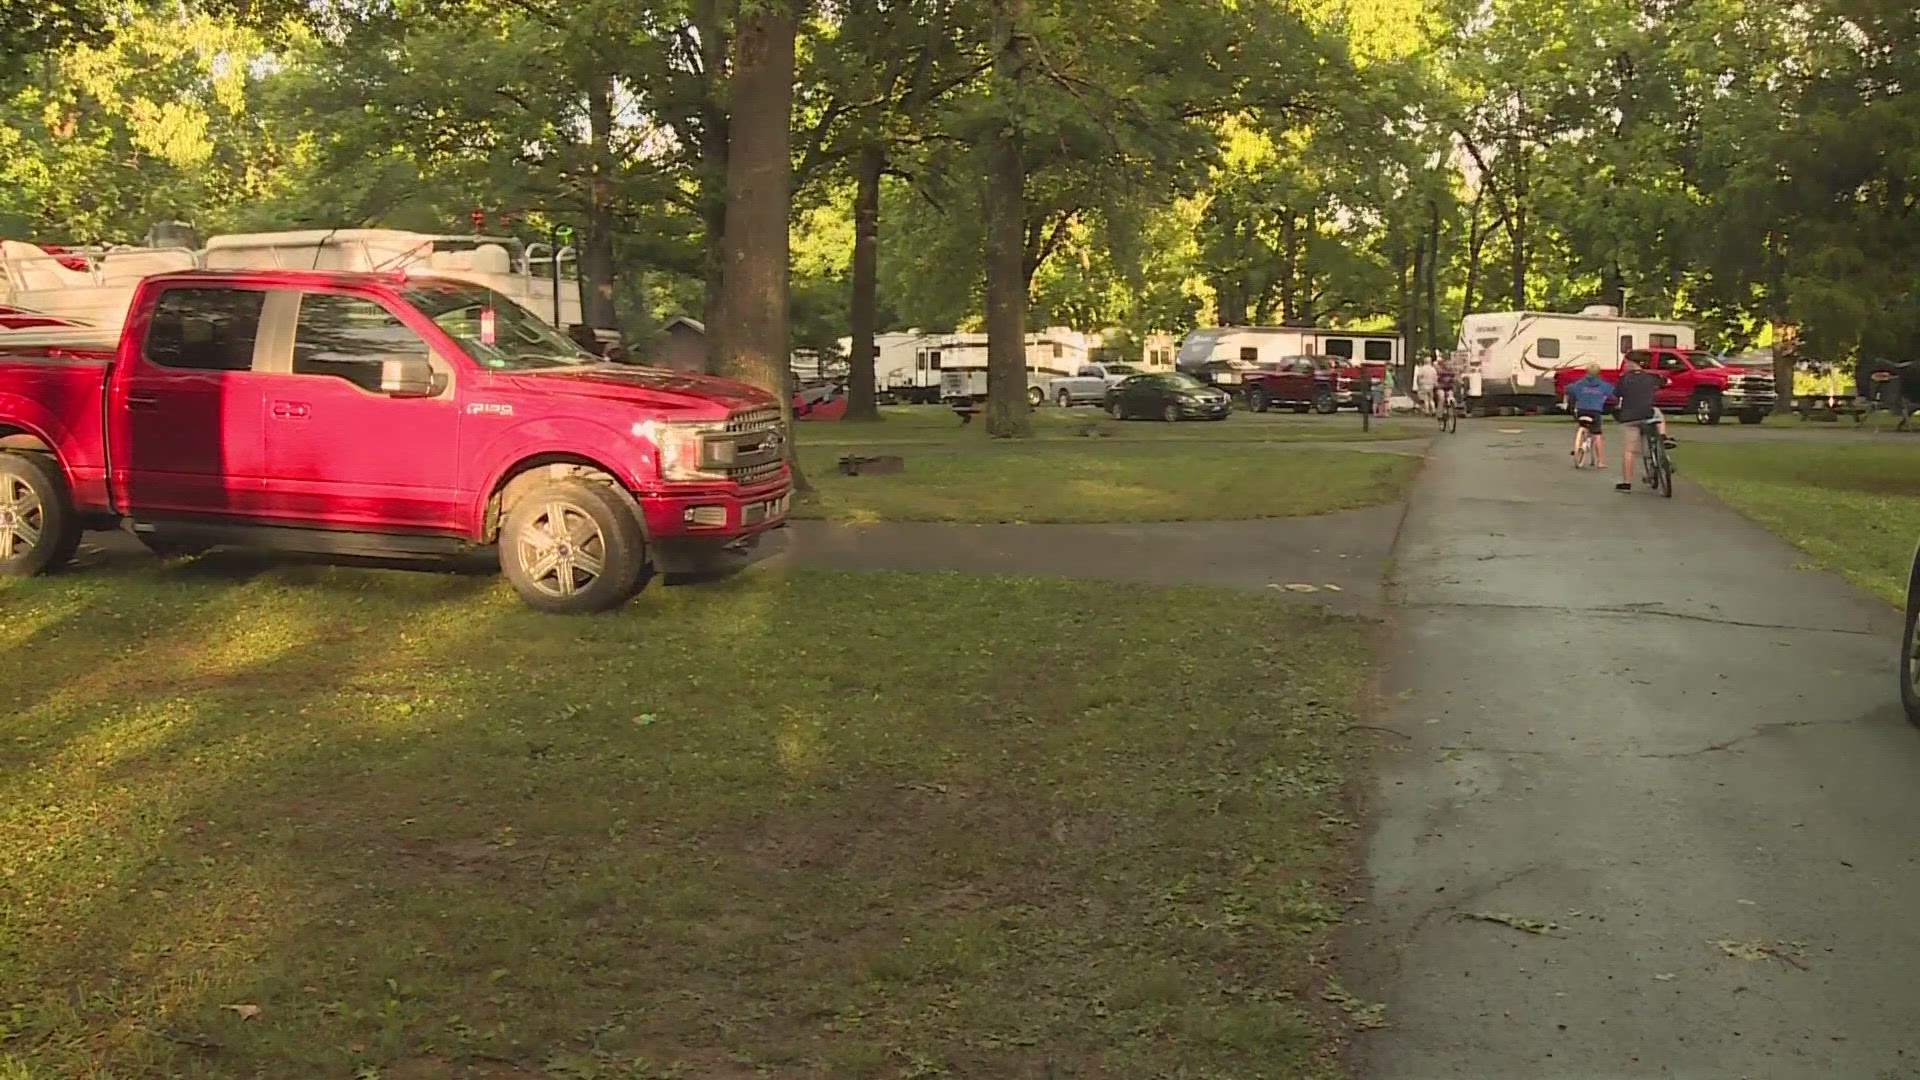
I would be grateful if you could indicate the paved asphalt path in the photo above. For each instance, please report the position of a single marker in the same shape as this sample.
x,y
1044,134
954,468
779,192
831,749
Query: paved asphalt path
x,y
1633,718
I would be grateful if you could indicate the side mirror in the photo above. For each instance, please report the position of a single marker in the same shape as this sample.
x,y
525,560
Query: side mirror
x,y
408,376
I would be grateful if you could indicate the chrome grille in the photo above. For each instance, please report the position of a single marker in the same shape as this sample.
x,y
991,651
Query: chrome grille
x,y
749,422
753,420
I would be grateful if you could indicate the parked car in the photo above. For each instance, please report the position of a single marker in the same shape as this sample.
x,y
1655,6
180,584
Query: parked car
x,y
1910,645
1089,386
378,414
1320,383
1169,396
1697,382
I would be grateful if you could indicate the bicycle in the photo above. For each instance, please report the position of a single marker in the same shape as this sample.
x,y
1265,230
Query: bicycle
x,y
1586,457
1656,466
1449,412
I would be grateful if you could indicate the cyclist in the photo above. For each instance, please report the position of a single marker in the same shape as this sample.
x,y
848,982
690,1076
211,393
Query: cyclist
x,y
1443,379
1636,389
1587,400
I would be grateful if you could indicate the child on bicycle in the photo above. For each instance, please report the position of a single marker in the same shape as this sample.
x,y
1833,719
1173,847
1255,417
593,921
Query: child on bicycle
x,y
1587,400
1443,380
1636,389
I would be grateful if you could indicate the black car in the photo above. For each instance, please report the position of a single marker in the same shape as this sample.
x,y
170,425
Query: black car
x,y
1167,396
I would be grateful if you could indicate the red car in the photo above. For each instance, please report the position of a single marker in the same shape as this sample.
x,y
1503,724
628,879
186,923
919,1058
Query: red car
x,y
376,415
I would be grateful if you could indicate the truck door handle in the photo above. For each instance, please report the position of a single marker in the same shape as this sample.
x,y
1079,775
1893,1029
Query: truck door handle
x,y
142,403
291,410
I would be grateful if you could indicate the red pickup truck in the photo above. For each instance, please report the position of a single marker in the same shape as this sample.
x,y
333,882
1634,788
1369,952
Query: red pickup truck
x,y
372,414
1697,382
1299,383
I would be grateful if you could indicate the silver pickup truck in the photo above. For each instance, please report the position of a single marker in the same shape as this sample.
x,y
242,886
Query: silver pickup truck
x,y
1089,387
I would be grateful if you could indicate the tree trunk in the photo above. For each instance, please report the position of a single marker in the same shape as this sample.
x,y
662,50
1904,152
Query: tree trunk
x,y
1417,333
863,314
1008,413
1289,267
750,344
710,20
1518,227
1476,240
1433,276
597,270
1405,274
1614,287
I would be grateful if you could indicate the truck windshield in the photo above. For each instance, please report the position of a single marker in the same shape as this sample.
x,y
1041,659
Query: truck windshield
x,y
1704,360
494,330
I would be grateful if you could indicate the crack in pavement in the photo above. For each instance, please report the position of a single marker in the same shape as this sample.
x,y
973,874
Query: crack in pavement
x,y
1634,610
1712,748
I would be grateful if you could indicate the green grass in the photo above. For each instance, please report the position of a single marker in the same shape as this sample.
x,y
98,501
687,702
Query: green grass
x,y
1020,482
814,825
1854,509
928,425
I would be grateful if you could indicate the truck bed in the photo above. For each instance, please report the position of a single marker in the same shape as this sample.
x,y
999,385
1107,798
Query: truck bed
x,y
57,392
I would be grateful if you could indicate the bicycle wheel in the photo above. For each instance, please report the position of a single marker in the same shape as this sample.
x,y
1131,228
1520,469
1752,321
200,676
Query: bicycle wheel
x,y
1666,474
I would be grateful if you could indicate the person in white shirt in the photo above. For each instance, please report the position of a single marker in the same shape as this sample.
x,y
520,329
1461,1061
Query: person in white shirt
x,y
1425,379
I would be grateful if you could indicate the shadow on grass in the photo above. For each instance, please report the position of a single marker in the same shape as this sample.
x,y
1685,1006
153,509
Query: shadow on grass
x,y
822,825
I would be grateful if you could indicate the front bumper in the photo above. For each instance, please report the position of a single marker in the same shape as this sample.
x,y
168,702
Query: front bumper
x,y
1740,401
716,515
1201,410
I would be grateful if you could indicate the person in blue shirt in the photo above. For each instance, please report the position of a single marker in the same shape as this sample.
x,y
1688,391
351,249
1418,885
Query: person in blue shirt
x,y
1587,399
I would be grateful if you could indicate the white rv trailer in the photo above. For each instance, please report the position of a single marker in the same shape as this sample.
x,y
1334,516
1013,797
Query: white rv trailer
x,y
1511,356
962,360
1224,354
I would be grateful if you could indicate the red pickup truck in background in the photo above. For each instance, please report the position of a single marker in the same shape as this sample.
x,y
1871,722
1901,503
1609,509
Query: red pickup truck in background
x,y
371,414
1697,382
1299,383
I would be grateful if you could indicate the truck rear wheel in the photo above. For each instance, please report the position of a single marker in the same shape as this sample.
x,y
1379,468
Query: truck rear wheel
x,y
573,547
1064,400
39,529
1325,403
1035,398
1257,399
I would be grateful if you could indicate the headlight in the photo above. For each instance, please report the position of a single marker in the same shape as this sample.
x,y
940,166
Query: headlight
x,y
683,449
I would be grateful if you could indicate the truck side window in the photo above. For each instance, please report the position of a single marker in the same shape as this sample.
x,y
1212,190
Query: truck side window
x,y
1672,362
1641,357
1548,348
205,329
1379,352
347,337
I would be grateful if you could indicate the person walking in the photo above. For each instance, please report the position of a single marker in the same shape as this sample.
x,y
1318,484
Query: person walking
x,y
1636,389
1425,380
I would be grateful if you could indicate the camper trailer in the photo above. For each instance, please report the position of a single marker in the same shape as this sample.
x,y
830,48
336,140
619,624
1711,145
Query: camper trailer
x,y
962,360
1511,357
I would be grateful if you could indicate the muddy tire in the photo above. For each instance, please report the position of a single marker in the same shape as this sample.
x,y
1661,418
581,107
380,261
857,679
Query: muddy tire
x,y
39,528
573,547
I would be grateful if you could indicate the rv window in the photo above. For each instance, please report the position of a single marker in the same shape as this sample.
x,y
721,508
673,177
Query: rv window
x,y
1058,351
1664,341
1548,348
933,359
1340,347
205,329
1380,352
1250,354
1626,343
876,352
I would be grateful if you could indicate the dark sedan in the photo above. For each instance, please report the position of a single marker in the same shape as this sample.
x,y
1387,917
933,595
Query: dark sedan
x,y
1167,396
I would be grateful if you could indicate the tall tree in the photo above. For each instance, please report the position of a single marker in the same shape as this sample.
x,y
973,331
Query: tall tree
x,y
1008,413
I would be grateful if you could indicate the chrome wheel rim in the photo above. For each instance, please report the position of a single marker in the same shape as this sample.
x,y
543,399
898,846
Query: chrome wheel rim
x,y
1704,411
562,550
22,518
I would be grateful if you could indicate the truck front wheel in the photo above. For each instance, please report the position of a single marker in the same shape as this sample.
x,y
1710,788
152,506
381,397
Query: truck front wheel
x,y
1325,403
39,529
573,547
1706,408
1257,399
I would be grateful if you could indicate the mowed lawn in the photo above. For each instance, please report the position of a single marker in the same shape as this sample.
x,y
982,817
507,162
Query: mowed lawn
x,y
1854,508
330,822
1105,482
